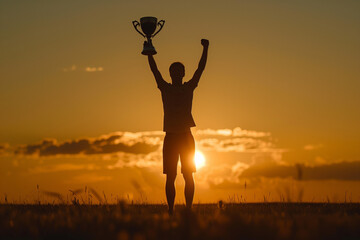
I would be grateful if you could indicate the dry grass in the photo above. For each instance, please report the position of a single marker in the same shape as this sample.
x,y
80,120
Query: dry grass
x,y
206,221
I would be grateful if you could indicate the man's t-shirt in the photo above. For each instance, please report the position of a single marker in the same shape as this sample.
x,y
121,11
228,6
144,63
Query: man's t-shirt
x,y
177,104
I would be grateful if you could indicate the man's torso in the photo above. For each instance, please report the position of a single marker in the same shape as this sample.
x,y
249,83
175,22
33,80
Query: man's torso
x,y
177,105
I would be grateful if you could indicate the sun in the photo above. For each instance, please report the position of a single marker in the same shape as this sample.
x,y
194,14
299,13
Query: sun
x,y
199,159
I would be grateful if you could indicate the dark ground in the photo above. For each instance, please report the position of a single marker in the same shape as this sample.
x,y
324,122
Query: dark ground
x,y
206,221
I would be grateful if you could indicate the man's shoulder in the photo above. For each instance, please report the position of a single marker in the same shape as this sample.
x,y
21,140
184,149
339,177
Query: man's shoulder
x,y
163,85
189,85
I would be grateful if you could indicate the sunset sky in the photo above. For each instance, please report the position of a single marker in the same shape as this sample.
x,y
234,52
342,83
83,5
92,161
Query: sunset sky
x,y
277,106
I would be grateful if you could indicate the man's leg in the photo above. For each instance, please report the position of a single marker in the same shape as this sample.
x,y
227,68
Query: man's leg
x,y
170,191
188,166
189,188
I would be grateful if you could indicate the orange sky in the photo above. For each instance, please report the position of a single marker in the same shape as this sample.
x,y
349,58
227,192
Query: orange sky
x,y
73,70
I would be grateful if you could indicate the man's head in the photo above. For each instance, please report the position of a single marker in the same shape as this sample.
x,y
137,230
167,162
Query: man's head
x,y
177,71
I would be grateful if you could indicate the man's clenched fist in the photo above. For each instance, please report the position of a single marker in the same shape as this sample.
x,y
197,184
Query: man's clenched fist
x,y
205,42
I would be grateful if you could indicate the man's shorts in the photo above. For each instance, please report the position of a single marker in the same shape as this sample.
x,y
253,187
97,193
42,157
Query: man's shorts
x,y
175,145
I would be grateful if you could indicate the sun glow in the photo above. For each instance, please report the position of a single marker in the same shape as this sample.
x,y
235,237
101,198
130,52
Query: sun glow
x,y
199,159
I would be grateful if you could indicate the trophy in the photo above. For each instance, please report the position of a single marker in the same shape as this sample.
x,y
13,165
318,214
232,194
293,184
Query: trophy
x,y
148,26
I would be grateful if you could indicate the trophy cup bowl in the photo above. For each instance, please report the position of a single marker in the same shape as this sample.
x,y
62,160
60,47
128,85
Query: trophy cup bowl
x,y
148,26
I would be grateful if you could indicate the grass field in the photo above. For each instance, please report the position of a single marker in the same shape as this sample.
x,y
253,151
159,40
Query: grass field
x,y
205,221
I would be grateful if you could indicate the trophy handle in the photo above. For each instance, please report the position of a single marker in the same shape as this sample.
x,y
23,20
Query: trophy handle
x,y
161,23
136,24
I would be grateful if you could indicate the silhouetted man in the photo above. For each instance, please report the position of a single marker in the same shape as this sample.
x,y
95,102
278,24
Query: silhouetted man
x,y
177,103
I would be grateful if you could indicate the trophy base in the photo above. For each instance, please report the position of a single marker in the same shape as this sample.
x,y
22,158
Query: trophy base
x,y
148,48
149,52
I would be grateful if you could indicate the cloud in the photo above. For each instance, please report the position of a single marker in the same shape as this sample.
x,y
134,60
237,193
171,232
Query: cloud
x,y
94,69
5,149
209,140
62,167
236,145
143,150
310,147
260,175
235,140
86,69
70,69
153,159
336,171
236,132
138,143
221,140
4,146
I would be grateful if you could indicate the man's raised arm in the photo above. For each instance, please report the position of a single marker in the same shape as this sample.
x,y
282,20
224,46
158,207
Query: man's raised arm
x,y
195,79
159,79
